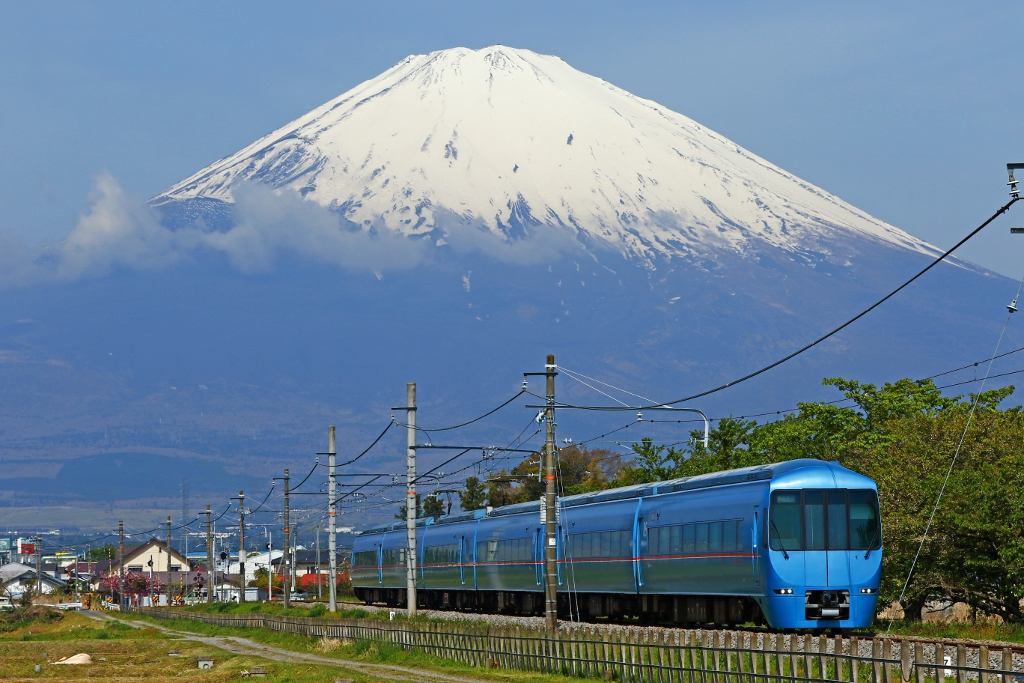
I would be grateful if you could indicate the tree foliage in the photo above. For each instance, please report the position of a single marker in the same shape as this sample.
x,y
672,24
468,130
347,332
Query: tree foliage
x,y
473,496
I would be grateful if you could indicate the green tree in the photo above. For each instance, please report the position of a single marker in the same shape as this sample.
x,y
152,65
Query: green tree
x,y
728,448
433,506
105,552
651,463
473,496
401,514
500,490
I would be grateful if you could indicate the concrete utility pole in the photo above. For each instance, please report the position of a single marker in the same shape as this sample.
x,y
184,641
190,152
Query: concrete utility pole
x,y
169,561
550,504
120,562
410,496
241,546
285,583
319,593
209,557
270,563
39,565
332,520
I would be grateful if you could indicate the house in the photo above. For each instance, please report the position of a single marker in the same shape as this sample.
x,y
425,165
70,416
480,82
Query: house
x,y
254,562
163,558
15,578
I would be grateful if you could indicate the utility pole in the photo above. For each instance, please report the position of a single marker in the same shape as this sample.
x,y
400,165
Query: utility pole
x,y
319,592
241,546
209,557
332,521
169,561
285,584
120,562
550,521
270,563
410,496
39,565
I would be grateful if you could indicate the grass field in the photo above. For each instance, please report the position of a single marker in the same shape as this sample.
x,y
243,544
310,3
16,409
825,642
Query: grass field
x,y
365,652
122,653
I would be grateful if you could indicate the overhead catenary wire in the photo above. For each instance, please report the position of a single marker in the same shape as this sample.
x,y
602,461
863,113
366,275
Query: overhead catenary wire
x,y
475,419
707,392
311,471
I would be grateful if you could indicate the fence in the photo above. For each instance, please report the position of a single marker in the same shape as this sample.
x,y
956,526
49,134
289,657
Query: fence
x,y
657,655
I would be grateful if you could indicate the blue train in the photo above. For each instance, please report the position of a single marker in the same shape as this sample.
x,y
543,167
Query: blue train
x,y
795,544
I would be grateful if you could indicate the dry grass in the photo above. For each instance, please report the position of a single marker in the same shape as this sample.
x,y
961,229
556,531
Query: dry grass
x,y
326,644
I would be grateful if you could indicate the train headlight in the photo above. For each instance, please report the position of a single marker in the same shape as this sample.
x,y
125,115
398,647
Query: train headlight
x,y
868,590
784,591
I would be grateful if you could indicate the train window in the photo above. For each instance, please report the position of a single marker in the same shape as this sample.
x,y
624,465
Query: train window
x,y
366,558
507,550
701,546
677,540
784,527
814,520
864,531
394,557
711,537
611,543
715,537
688,539
730,535
441,554
837,539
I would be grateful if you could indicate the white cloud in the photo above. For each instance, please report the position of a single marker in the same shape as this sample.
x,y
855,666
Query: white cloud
x,y
119,231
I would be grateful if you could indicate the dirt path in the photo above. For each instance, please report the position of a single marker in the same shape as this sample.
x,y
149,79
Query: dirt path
x,y
244,646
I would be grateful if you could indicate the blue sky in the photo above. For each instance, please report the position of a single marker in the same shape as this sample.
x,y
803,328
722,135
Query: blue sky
x,y
909,111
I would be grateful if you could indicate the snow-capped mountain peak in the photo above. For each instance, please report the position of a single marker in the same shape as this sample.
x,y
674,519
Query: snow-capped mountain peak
x,y
516,142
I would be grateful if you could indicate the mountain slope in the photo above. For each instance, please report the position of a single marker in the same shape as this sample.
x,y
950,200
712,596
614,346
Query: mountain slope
x,y
515,143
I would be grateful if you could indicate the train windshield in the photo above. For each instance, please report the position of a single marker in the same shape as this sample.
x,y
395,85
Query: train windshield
x,y
831,519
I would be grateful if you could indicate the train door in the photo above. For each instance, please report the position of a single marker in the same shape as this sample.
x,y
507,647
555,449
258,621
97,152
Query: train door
x,y
639,526
755,549
472,554
838,555
380,561
463,547
815,554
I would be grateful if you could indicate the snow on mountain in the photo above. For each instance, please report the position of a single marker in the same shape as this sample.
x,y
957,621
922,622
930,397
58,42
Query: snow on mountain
x,y
515,142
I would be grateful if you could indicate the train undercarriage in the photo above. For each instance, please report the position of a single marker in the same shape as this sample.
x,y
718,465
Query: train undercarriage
x,y
676,610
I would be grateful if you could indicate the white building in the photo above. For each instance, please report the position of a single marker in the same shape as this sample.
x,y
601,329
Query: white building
x,y
262,560
15,578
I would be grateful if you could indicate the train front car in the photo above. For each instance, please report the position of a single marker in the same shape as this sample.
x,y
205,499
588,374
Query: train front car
x,y
823,558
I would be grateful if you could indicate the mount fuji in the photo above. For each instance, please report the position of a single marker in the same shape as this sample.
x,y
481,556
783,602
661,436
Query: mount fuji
x,y
511,143
449,222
